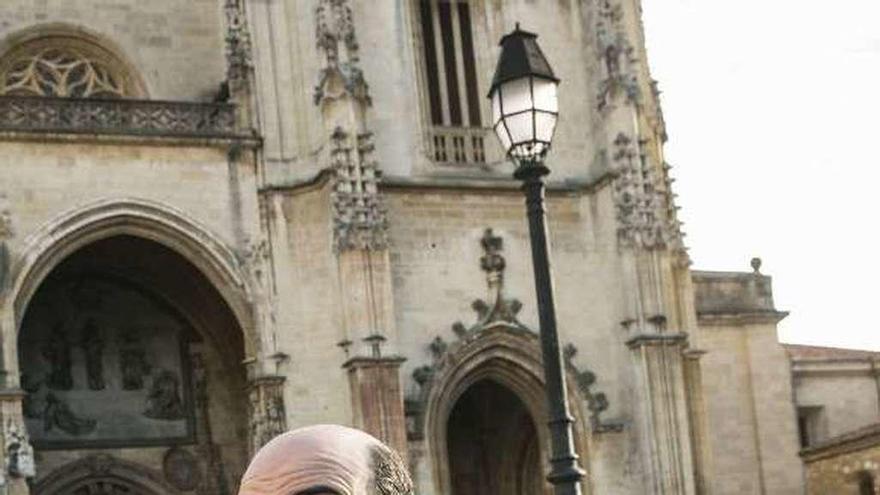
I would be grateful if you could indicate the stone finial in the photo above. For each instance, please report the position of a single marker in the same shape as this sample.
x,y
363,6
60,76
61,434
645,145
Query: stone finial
x,y
337,41
345,345
239,55
756,265
375,342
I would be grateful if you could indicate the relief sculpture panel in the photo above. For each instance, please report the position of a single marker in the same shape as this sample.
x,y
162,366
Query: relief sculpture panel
x,y
103,364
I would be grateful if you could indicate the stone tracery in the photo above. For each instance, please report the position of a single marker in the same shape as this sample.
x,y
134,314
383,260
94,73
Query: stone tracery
x,y
65,67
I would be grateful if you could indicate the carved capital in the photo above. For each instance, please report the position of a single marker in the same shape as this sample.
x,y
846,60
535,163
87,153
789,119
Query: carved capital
x,y
267,413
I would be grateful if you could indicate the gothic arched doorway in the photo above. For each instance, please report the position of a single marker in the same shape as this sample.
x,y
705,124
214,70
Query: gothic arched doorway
x,y
493,444
127,347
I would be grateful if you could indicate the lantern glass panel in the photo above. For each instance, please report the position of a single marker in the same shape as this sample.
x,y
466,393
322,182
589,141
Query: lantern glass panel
x,y
496,107
544,92
520,127
501,132
545,123
516,96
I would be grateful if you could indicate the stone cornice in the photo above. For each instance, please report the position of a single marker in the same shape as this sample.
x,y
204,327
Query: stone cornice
x,y
493,183
227,142
655,339
365,361
740,318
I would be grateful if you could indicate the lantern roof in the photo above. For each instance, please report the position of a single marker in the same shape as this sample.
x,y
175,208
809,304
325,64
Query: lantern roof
x,y
521,57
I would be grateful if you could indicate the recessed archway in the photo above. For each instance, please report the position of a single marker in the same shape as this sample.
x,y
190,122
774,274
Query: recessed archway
x,y
126,346
493,444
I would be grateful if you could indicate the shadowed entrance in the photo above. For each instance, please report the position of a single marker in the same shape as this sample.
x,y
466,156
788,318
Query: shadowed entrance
x,y
126,347
493,445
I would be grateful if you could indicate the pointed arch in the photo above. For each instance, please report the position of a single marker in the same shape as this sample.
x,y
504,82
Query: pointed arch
x,y
103,471
160,223
505,355
115,72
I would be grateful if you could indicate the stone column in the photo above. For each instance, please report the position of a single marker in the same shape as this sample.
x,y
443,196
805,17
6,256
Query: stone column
x,y
699,421
360,236
665,428
377,398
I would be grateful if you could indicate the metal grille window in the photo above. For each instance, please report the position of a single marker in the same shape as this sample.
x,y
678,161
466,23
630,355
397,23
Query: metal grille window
x,y
452,92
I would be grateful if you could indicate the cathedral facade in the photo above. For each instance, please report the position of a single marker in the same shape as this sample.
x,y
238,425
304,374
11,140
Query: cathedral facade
x,y
223,219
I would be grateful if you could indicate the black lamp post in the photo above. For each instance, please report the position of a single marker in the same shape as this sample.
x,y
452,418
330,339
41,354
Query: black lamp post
x,y
524,112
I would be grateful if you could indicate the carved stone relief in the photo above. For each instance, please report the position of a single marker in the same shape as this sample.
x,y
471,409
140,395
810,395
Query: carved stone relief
x,y
597,402
181,469
268,417
239,54
336,39
19,453
76,330
617,56
358,213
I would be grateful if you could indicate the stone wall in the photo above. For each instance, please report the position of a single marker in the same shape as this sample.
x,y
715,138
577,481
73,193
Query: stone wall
x,y
842,386
746,386
844,464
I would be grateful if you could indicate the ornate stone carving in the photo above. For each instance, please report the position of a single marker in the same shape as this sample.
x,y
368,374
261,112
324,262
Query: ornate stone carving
x,y
93,344
19,453
597,402
390,475
642,219
358,214
337,41
181,469
268,417
132,363
65,67
210,460
497,309
617,56
239,55
57,413
57,352
163,401
126,117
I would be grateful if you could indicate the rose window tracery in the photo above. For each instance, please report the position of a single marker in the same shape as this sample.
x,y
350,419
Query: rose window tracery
x,y
67,68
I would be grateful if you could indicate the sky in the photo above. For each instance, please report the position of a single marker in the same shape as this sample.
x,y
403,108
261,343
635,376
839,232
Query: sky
x,y
772,110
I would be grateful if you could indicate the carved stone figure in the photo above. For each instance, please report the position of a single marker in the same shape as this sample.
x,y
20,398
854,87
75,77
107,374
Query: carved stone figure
x,y
29,405
181,469
163,401
19,453
58,414
57,351
132,364
326,459
93,344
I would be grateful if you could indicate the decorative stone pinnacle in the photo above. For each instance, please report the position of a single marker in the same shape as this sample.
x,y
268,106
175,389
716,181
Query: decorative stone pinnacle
x,y
375,341
756,265
345,345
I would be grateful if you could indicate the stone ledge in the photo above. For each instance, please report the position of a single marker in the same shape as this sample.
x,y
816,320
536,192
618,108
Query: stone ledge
x,y
861,439
661,339
739,318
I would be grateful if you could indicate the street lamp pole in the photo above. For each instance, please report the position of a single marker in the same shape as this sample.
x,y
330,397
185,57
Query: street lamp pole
x,y
565,473
524,114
